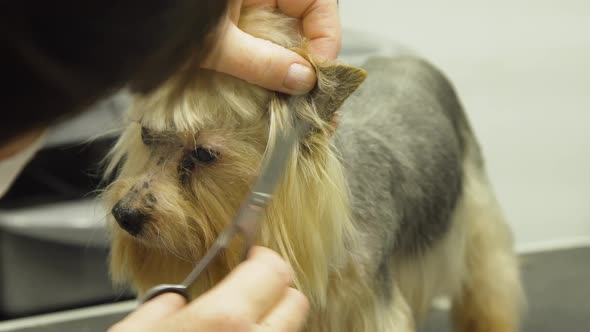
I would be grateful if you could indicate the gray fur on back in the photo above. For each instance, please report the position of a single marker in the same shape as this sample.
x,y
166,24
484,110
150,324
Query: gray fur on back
x,y
401,138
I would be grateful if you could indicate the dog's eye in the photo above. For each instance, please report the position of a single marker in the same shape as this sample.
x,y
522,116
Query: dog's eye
x,y
204,155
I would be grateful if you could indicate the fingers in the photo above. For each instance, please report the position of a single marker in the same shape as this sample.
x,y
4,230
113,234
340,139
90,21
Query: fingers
x,y
255,295
321,22
261,62
249,291
153,311
289,314
271,66
321,25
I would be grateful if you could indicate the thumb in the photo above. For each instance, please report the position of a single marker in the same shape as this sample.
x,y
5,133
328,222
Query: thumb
x,y
261,62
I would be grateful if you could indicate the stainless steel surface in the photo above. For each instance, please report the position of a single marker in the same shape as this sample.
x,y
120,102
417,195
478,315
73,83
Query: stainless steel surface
x,y
42,276
92,319
79,223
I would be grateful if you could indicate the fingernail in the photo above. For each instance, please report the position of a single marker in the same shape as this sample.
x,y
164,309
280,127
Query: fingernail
x,y
300,78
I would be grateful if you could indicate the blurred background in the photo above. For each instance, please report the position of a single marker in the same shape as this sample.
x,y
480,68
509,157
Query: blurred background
x,y
522,71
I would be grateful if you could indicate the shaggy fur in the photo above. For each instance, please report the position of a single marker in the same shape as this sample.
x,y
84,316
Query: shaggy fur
x,y
376,218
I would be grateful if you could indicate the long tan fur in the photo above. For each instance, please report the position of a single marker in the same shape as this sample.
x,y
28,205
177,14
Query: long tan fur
x,y
309,221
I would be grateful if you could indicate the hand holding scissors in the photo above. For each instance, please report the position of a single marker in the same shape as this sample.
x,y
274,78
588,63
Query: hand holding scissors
x,y
255,296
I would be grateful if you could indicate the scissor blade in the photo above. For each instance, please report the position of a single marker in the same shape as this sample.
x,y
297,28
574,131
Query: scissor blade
x,y
275,160
275,164
248,219
219,244
250,214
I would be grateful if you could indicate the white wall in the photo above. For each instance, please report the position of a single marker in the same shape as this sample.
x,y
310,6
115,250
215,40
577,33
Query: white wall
x,y
522,69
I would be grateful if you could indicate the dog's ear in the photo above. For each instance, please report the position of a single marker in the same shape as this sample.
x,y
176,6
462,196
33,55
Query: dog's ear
x,y
336,82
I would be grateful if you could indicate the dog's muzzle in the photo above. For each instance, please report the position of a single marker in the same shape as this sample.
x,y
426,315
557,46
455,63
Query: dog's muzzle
x,y
129,219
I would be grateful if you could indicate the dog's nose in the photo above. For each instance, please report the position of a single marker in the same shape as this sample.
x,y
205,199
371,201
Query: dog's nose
x,y
131,220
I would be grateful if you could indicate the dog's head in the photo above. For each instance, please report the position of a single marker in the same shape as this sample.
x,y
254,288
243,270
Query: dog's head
x,y
192,149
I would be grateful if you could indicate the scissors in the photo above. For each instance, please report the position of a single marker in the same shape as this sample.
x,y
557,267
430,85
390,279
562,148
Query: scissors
x,y
247,220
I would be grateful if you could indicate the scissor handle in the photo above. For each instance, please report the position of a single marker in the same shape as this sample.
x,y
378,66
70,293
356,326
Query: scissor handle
x,y
165,288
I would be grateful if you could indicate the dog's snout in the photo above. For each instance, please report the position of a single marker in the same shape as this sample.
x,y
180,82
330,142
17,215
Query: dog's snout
x,y
129,219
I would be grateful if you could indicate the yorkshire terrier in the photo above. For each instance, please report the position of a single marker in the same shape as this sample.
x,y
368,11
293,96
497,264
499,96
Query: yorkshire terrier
x,y
384,206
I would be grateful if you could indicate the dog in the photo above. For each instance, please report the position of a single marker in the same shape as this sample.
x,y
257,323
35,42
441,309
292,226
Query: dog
x,y
384,206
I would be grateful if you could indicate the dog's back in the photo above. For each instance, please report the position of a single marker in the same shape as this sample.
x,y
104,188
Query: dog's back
x,y
420,195
402,139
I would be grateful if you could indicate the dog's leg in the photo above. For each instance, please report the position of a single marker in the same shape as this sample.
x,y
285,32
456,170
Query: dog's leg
x,y
363,312
491,295
397,316
402,318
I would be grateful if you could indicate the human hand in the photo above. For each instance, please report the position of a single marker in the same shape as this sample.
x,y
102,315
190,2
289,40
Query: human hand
x,y
254,297
272,66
